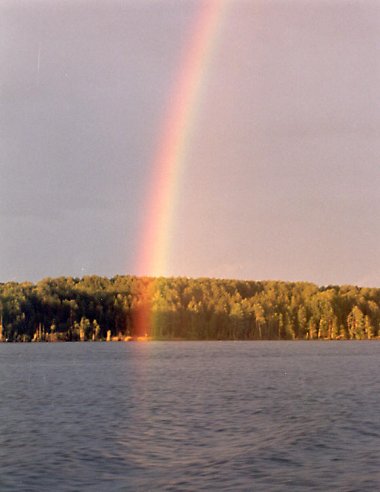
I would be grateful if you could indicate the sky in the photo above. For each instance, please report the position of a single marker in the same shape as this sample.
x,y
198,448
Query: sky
x,y
281,176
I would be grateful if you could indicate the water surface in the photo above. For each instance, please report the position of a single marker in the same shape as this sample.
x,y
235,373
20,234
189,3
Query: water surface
x,y
271,416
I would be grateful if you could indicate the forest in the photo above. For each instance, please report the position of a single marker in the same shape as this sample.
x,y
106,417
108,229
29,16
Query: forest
x,y
98,308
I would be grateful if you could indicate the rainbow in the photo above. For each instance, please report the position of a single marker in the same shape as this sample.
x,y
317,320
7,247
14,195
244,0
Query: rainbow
x,y
175,136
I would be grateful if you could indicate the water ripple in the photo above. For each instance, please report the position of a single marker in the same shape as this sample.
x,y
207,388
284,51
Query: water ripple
x,y
190,416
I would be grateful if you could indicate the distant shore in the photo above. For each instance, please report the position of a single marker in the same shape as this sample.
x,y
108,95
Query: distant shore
x,y
150,339
126,308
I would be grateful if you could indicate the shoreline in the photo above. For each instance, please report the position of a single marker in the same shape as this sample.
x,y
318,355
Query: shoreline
x,y
151,339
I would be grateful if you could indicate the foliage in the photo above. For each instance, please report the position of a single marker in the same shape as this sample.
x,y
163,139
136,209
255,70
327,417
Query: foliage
x,y
97,308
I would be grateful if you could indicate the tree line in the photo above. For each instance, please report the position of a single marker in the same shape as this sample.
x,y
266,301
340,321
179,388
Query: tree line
x,y
99,308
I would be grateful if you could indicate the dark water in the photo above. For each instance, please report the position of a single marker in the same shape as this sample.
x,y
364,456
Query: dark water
x,y
190,416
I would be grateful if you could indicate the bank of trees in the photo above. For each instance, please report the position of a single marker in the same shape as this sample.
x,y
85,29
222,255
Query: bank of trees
x,y
96,308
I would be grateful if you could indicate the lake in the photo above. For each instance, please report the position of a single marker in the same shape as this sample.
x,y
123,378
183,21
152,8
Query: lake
x,y
271,416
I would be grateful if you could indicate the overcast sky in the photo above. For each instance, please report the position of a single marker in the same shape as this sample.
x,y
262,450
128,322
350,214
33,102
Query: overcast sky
x,y
282,175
